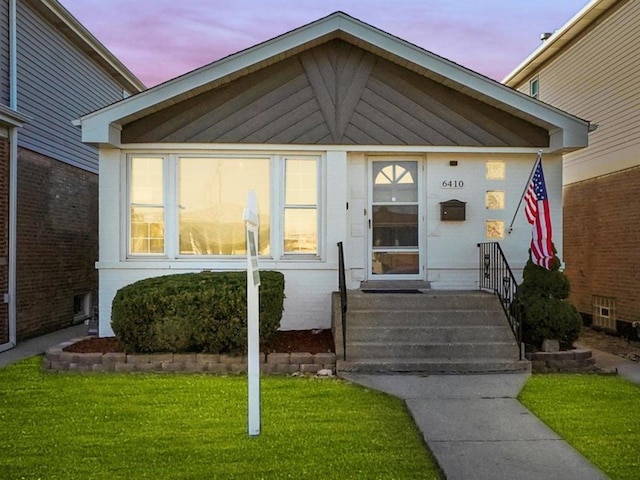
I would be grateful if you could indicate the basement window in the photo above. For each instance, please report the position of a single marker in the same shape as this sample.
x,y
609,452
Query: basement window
x,y
604,312
81,306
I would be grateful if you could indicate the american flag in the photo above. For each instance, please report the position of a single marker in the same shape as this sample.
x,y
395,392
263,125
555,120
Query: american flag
x,y
537,211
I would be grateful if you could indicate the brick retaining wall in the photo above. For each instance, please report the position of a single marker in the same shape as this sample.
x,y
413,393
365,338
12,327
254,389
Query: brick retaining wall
x,y
578,360
56,359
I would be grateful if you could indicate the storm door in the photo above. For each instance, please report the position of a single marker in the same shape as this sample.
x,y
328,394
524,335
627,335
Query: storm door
x,y
394,220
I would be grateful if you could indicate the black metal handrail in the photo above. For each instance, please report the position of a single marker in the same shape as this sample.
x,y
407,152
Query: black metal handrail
x,y
342,285
496,276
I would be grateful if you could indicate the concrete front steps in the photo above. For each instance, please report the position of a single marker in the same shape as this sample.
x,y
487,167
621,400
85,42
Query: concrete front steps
x,y
433,332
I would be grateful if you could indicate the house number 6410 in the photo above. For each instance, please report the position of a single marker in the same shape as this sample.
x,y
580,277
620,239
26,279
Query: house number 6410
x,y
452,184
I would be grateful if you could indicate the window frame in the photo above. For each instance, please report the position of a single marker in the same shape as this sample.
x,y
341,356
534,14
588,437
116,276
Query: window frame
x,y
171,217
284,207
129,204
534,88
175,203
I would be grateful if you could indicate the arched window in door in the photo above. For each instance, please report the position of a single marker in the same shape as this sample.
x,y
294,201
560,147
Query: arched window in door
x,y
393,174
395,182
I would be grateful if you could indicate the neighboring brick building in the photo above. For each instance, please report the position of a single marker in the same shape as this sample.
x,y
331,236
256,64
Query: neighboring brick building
x,y
57,247
52,70
591,68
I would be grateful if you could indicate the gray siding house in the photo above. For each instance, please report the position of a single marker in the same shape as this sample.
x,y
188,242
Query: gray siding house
x,y
51,70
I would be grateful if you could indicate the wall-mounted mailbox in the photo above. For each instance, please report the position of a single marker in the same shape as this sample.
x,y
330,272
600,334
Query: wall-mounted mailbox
x,y
453,211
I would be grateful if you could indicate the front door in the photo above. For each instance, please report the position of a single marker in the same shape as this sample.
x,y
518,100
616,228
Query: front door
x,y
394,220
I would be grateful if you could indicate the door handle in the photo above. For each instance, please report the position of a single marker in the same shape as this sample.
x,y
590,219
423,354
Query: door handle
x,y
369,224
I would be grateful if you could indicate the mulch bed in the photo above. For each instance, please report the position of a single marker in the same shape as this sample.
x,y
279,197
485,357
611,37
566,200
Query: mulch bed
x,y
609,343
290,341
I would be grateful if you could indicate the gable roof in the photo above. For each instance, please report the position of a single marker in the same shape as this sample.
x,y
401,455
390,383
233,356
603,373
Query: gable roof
x,y
579,23
104,126
69,26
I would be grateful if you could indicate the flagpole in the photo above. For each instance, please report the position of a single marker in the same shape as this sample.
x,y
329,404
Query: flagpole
x,y
526,186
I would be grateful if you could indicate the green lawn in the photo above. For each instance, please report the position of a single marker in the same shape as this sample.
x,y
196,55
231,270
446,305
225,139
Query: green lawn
x,y
137,426
599,415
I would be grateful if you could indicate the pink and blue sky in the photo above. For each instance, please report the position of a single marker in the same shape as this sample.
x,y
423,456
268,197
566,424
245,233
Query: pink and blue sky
x,y
162,39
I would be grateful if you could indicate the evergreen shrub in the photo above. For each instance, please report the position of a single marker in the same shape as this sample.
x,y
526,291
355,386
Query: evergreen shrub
x,y
194,312
542,305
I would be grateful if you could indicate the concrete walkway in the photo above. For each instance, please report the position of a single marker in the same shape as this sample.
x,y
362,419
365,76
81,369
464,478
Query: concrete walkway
x,y
38,345
614,364
477,429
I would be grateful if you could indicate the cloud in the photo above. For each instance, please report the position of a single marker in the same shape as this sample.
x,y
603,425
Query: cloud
x,y
161,39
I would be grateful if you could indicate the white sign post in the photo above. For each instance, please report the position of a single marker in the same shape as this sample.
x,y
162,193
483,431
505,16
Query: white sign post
x,y
250,218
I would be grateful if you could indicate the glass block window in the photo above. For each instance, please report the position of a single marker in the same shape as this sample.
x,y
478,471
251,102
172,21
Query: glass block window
x,y
495,229
494,200
496,170
604,312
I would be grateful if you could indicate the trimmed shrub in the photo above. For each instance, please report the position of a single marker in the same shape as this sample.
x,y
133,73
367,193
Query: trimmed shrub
x,y
542,305
194,312
550,318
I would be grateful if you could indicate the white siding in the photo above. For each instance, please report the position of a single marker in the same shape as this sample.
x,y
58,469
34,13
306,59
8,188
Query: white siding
x,y
307,304
452,255
451,252
57,83
598,78
308,284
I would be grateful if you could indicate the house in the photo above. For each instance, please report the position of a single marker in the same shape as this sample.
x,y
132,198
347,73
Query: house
x,y
51,70
591,68
347,134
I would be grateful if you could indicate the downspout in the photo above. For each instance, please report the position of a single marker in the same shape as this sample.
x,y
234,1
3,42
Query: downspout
x,y
13,169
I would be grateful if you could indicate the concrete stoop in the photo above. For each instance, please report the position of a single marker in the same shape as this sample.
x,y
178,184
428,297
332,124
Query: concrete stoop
x,y
432,332
435,366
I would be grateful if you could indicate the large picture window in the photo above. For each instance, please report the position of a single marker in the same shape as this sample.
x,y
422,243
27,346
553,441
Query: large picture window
x,y
189,205
147,205
212,196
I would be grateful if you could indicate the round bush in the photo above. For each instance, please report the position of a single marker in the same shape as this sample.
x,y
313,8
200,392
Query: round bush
x,y
194,312
551,318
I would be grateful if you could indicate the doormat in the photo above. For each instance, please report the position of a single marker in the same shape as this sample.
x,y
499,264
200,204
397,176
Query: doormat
x,y
392,291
